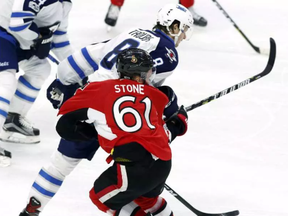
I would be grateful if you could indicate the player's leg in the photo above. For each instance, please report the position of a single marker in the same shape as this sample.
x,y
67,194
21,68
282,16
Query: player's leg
x,y
17,128
153,203
157,206
198,20
130,177
51,176
113,12
8,68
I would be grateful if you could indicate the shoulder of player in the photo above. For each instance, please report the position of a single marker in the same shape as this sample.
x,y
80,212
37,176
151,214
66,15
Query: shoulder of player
x,y
156,94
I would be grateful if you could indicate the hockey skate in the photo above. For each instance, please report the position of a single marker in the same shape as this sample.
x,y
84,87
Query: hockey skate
x,y
112,16
17,129
198,20
5,157
31,208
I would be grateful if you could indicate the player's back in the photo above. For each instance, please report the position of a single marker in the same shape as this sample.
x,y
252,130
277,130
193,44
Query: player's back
x,y
125,111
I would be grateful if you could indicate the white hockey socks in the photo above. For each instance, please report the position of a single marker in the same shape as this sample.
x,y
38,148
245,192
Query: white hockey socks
x,y
51,177
28,87
7,90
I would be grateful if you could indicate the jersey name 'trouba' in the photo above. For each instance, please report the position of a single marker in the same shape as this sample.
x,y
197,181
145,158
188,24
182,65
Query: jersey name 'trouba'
x,y
101,57
124,111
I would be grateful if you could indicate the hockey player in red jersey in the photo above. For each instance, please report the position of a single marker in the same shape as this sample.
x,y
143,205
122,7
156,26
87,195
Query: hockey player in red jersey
x,y
100,59
115,6
198,20
127,113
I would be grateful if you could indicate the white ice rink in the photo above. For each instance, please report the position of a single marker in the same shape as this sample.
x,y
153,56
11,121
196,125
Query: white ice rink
x,y
235,154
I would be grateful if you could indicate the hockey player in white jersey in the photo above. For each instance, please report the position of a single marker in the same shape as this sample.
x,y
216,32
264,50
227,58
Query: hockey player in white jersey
x,y
174,23
35,28
5,14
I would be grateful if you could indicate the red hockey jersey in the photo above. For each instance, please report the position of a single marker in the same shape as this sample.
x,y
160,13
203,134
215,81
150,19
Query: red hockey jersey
x,y
124,111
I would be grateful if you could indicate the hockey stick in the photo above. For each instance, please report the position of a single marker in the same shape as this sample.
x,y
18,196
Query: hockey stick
x,y
257,49
266,71
195,211
53,59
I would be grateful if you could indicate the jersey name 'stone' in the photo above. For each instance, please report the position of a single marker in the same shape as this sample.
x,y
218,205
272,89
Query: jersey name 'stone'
x,y
124,111
101,57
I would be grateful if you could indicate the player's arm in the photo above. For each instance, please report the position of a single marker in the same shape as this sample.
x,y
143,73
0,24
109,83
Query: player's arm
x,y
178,123
165,60
21,22
73,72
60,44
71,126
80,64
176,117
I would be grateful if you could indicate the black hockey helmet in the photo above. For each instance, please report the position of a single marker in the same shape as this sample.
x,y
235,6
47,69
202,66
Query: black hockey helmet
x,y
134,61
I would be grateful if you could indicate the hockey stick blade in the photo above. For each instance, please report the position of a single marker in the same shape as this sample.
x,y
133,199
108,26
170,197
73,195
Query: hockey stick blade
x,y
196,211
257,49
267,70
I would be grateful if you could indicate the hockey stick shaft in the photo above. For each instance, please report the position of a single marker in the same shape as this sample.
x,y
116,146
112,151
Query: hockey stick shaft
x,y
194,210
53,59
266,71
257,49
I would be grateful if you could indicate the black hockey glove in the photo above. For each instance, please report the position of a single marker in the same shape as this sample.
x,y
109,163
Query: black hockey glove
x,y
178,123
57,93
71,126
42,44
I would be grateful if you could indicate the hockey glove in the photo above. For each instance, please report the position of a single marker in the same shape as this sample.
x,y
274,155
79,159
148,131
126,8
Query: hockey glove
x,y
42,44
178,123
172,106
57,93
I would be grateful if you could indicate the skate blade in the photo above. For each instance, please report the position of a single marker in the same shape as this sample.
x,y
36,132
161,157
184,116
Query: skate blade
x,y
13,137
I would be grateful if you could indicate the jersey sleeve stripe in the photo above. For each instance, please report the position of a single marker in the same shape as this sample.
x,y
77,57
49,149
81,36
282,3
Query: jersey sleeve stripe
x,y
88,58
102,127
75,67
19,28
21,14
61,44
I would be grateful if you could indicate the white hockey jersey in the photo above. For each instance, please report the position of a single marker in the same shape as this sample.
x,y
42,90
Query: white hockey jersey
x,y
5,12
30,15
101,57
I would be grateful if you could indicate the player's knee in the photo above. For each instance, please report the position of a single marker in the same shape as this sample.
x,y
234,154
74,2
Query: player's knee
x,y
63,164
38,73
131,209
95,199
8,80
158,206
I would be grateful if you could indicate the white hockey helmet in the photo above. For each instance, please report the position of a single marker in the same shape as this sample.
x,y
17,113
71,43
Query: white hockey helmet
x,y
171,12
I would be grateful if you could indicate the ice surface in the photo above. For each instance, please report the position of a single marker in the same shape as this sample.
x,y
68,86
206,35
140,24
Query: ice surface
x,y
235,153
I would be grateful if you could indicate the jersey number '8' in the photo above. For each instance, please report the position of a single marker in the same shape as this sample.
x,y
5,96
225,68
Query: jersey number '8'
x,y
119,114
110,59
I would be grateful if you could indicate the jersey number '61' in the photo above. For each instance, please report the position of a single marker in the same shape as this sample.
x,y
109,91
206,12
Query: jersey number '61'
x,y
119,114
